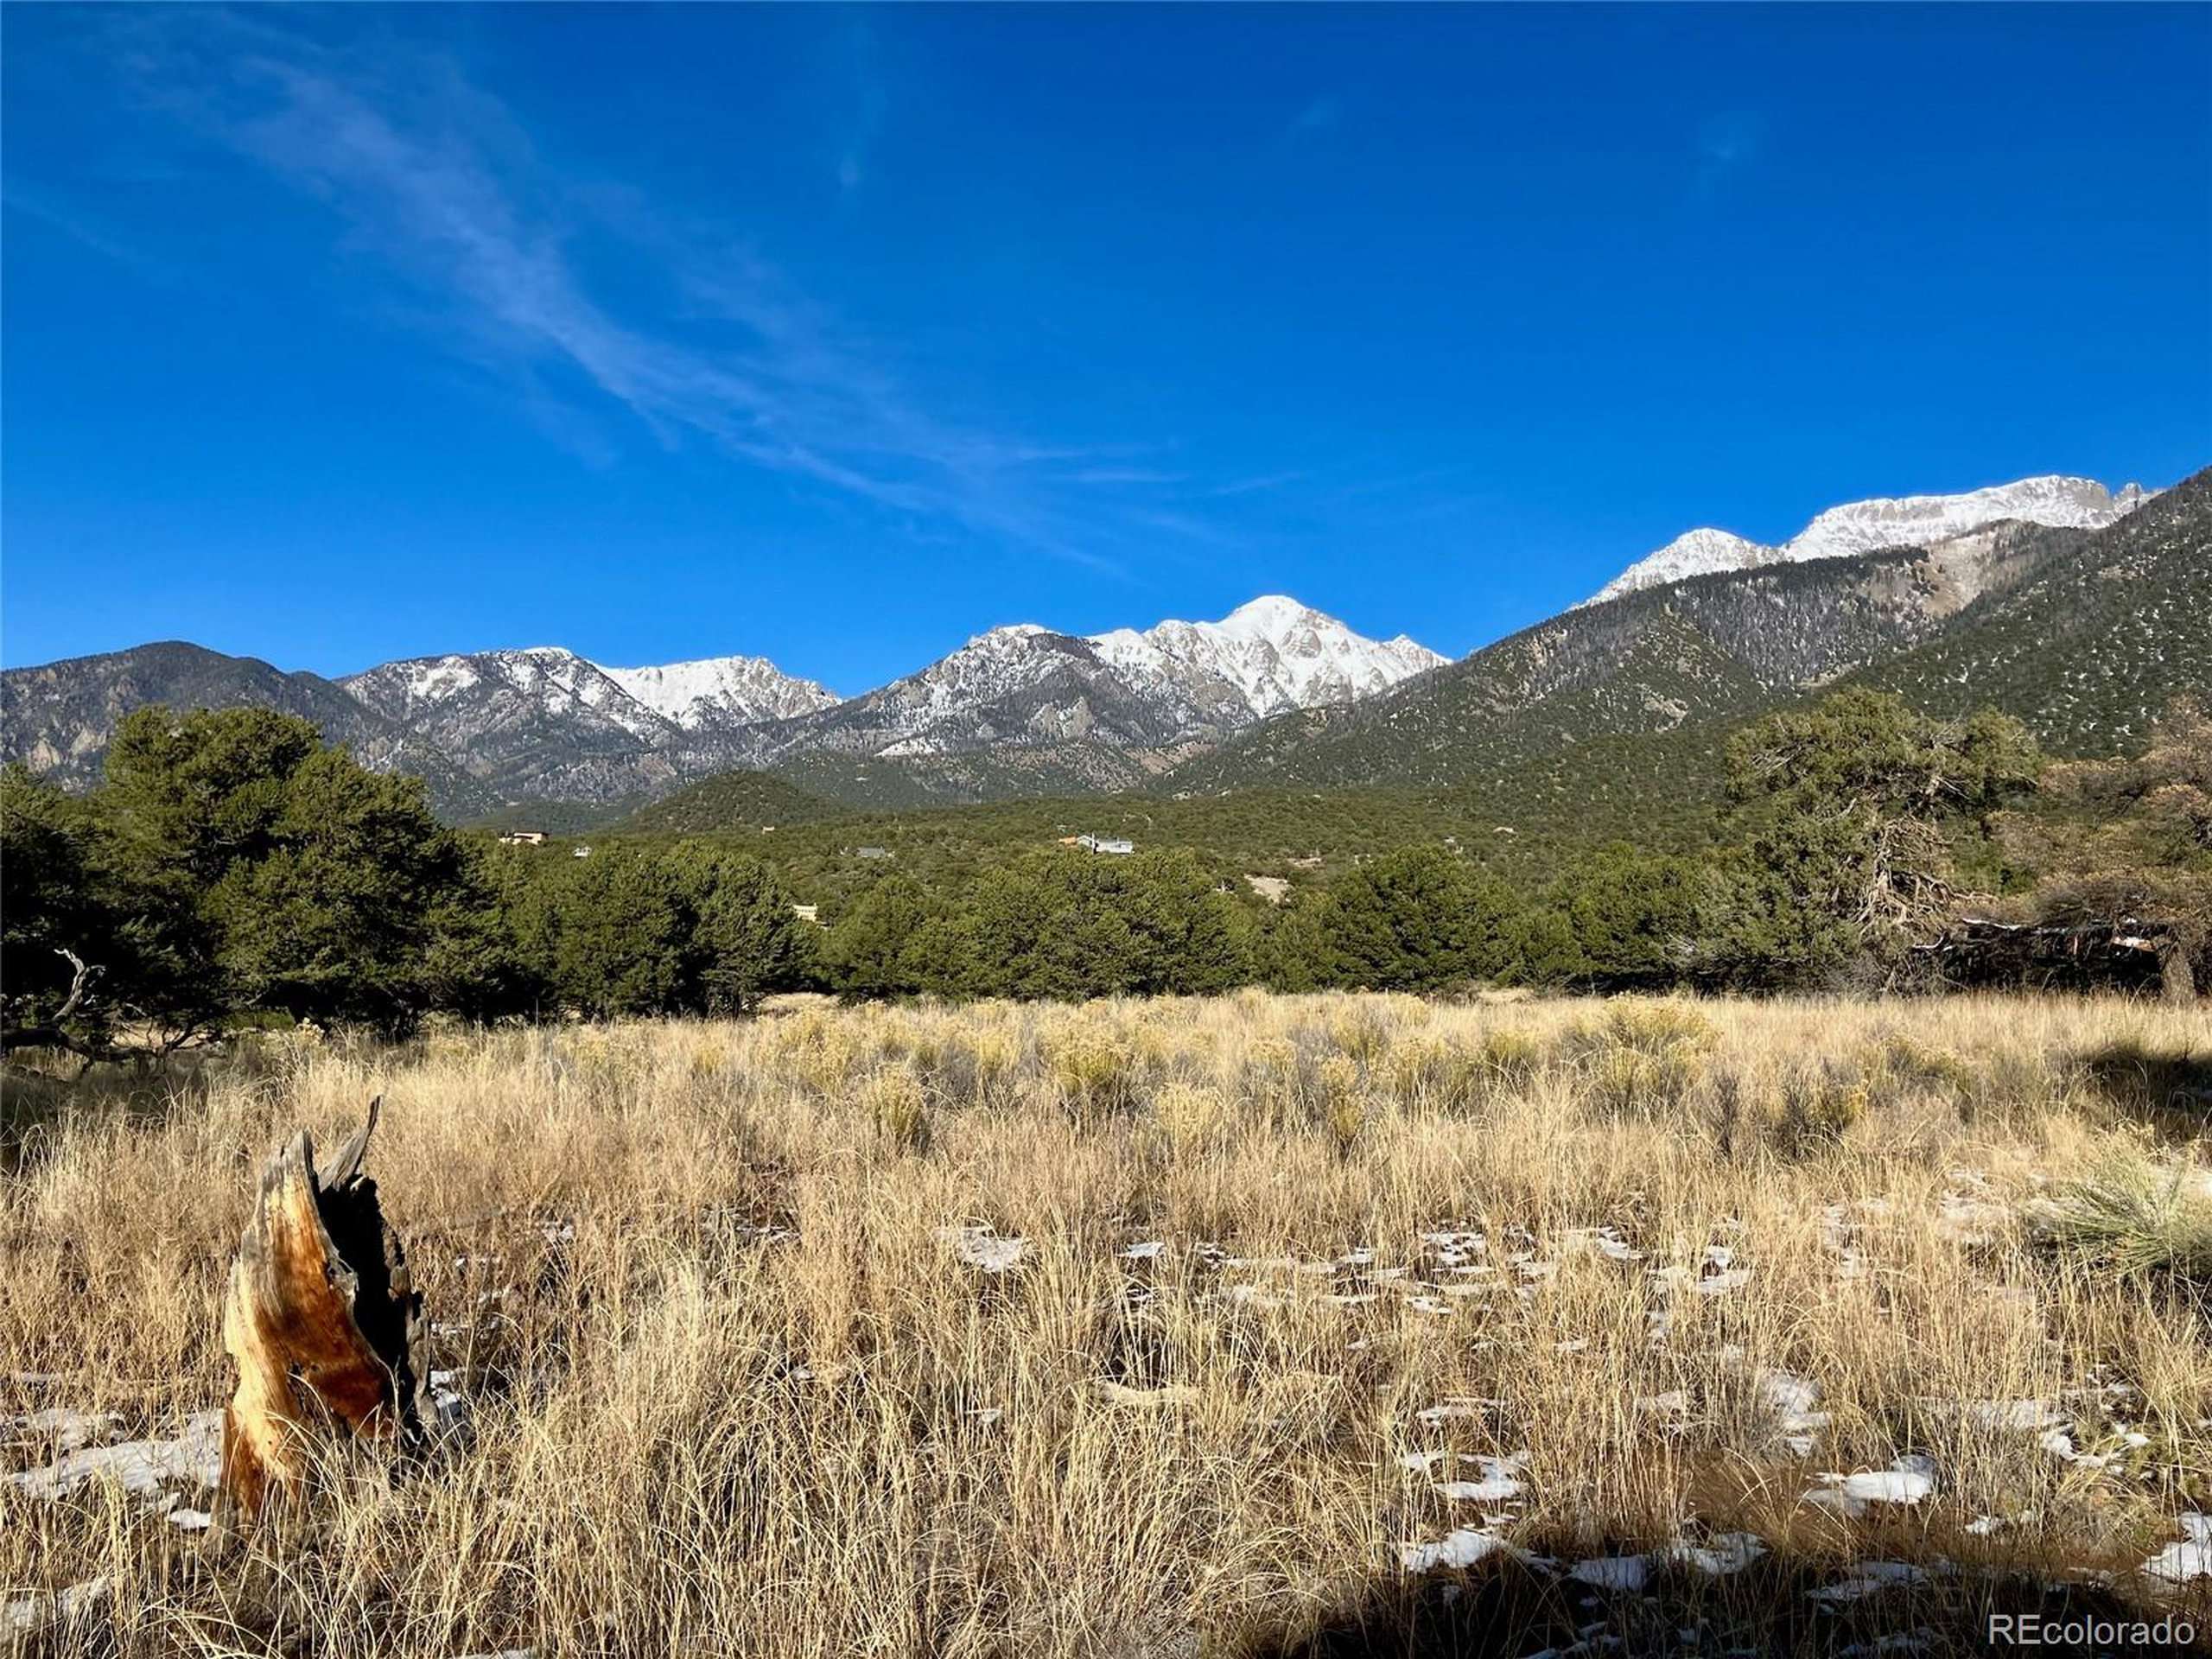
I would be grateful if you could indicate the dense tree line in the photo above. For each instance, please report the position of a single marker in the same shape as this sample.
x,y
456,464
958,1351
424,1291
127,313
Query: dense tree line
x,y
232,867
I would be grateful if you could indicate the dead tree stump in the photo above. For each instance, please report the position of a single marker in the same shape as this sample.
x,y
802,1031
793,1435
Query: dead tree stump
x,y
323,1322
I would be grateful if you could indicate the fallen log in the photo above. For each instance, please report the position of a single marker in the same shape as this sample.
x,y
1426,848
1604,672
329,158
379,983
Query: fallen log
x,y
323,1322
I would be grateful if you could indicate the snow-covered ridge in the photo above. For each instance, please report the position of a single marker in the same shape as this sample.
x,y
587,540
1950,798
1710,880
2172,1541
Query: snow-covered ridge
x,y
721,689
1020,683
1274,652
1886,521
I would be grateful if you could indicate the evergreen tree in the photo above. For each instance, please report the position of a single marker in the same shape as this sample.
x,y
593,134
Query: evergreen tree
x,y
1417,919
879,947
258,869
615,929
742,939
1854,808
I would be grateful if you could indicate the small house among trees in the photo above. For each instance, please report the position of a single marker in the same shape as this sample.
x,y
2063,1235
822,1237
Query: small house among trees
x,y
523,838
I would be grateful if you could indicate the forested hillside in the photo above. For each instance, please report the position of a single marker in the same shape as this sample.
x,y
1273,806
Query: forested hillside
x,y
1706,650
2088,651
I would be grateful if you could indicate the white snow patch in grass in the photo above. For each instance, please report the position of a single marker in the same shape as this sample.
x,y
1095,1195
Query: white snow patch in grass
x,y
1791,1398
1625,1573
1461,1547
1723,1554
1867,1578
1146,1251
1501,1480
981,1248
1458,1406
2190,1559
1907,1481
2022,1416
34,1615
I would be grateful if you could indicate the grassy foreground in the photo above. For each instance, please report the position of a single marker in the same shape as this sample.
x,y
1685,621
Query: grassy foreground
x,y
1315,1300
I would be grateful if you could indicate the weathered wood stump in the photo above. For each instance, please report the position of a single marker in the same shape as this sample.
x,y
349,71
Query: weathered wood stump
x,y
323,1322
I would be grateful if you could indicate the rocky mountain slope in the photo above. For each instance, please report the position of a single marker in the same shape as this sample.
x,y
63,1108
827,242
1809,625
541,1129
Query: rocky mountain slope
x,y
2081,632
56,718
1869,526
2087,649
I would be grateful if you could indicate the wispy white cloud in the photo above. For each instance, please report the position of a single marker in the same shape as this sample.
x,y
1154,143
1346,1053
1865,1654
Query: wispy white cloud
x,y
438,181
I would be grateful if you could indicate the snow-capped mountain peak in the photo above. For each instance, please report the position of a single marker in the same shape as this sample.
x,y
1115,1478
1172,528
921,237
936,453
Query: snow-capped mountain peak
x,y
720,690
1269,654
1885,521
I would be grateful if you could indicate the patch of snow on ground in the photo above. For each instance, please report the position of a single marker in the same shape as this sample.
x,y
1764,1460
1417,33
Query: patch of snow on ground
x,y
1723,1554
31,1616
2190,1559
981,1248
1905,1482
1501,1480
1868,1577
1462,1547
1624,1574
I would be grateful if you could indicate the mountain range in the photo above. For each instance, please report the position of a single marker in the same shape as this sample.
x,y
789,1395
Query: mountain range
x,y
1948,596
2085,634
1016,709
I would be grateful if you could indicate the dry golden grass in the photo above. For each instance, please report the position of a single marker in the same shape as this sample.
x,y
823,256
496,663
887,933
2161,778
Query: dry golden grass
x,y
735,1390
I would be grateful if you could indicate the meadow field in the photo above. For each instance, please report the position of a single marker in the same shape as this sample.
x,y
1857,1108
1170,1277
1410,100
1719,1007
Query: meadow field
x,y
1255,1325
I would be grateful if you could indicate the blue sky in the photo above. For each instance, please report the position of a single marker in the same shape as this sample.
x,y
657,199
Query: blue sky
x,y
335,335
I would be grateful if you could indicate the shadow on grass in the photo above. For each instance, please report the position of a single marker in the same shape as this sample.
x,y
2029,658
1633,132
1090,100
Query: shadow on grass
x,y
1507,1608
37,1099
2170,1090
